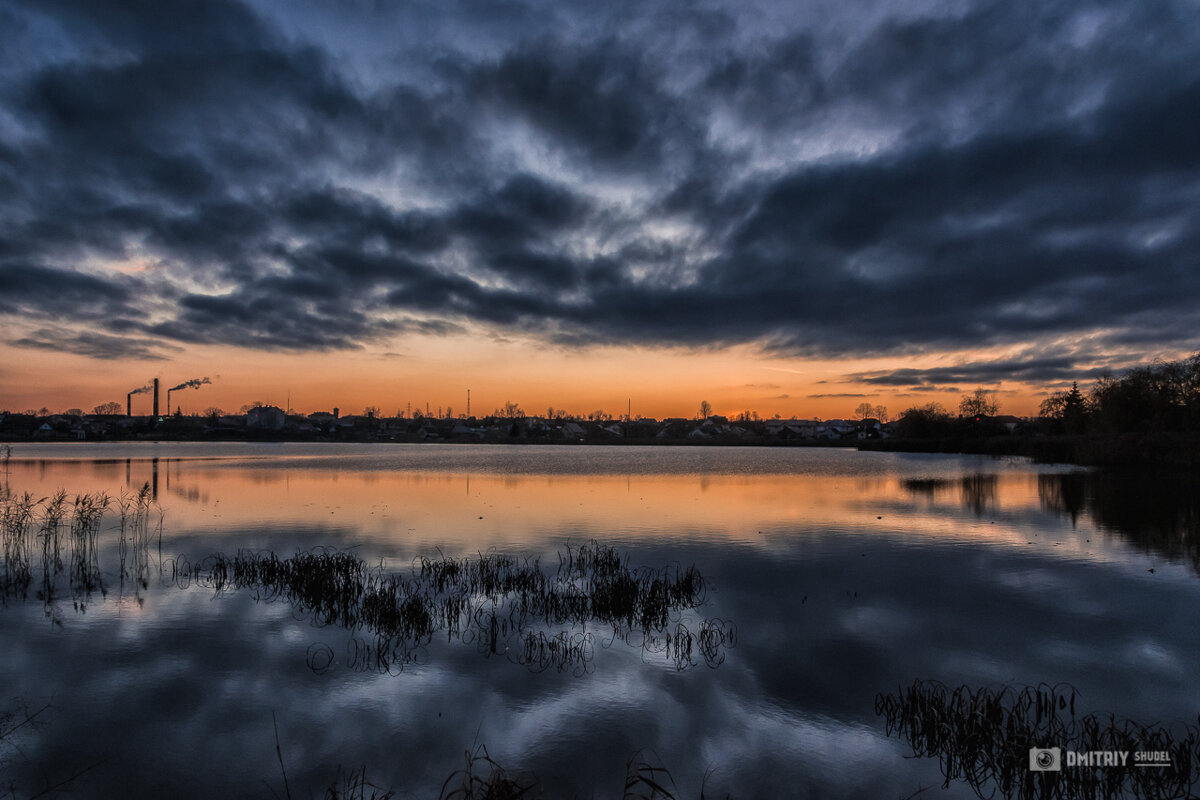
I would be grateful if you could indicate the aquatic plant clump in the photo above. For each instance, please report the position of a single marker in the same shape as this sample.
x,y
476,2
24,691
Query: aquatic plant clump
x,y
353,785
37,532
504,605
16,533
985,737
483,778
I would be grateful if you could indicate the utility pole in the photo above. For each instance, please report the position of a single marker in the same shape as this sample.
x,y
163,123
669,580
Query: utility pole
x,y
468,403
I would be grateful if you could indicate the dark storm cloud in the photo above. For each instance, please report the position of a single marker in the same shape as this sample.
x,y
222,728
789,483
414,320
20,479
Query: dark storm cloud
x,y
1035,370
603,102
96,345
911,391
889,181
840,394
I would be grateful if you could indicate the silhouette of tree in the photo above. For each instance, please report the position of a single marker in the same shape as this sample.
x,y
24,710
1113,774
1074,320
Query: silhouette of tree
x,y
927,421
980,403
511,410
867,411
1161,397
1067,412
111,407
705,409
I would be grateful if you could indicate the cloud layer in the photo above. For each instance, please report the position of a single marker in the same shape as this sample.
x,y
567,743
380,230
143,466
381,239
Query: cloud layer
x,y
869,180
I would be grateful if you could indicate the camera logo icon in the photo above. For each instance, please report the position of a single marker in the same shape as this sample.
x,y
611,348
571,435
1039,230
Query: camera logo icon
x,y
1045,759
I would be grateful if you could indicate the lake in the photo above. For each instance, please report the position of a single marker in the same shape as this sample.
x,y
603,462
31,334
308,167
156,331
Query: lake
x,y
800,585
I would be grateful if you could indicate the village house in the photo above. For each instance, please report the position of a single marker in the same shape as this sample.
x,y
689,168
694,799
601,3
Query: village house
x,y
268,418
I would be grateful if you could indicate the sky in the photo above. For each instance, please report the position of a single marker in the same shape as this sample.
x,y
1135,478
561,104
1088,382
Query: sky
x,y
785,207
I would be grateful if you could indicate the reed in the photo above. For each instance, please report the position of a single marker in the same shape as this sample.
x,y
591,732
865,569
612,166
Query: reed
x,y
484,779
983,736
88,510
647,781
353,785
63,534
16,533
54,511
133,544
506,606
503,605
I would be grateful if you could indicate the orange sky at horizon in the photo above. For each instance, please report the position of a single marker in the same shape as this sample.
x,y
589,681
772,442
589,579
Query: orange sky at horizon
x,y
656,382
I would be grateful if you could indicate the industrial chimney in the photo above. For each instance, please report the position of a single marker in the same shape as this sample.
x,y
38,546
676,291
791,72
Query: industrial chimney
x,y
156,398
129,404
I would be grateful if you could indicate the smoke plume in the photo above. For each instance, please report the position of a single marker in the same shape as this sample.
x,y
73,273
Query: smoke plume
x,y
194,383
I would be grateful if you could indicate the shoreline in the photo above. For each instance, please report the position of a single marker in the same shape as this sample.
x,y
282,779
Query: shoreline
x,y
1157,450
1114,451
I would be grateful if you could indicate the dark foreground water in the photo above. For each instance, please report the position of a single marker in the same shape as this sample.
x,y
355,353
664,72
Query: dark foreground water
x,y
829,577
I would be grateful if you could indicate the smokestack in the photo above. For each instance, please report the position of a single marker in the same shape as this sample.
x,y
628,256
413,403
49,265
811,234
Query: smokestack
x,y
194,383
335,412
140,390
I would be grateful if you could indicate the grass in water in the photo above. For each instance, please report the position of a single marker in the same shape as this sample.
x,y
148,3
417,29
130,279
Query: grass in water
x,y
984,736
502,605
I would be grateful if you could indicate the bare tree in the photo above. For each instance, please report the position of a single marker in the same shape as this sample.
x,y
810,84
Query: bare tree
x,y
980,403
111,407
705,409
867,411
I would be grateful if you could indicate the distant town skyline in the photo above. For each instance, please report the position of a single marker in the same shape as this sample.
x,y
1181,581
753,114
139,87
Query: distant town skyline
x,y
772,207
677,387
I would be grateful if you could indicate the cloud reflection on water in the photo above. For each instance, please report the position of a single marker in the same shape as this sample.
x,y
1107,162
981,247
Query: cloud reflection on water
x,y
833,606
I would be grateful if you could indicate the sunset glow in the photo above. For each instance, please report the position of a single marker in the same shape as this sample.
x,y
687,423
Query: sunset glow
x,y
775,209
435,373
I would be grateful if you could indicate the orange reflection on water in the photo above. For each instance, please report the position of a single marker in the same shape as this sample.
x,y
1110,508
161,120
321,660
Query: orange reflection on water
x,y
464,512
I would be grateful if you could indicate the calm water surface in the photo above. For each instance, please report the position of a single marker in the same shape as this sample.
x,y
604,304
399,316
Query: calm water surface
x,y
844,574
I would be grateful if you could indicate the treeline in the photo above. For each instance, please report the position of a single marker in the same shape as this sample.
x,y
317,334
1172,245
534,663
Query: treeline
x,y
1148,415
1163,397
1159,398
